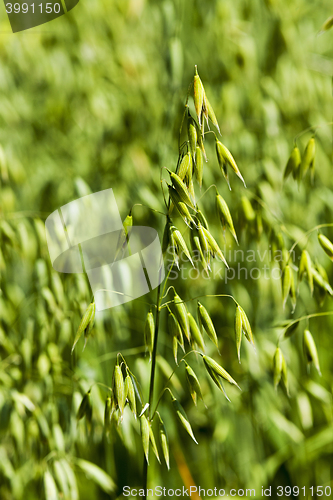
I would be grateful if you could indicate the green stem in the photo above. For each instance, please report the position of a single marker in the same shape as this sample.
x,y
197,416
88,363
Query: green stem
x,y
152,381
306,235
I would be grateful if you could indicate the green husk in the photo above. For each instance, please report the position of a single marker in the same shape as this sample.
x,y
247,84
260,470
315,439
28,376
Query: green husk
x,y
308,157
198,166
180,243
185,166
238,331
199,94
277,366
181,207
85,324
310,350
144,428
193,383
164,441
180,412
85,408
153,443
195,332
196,247
130,393
293,164
326,245
181,315
149,332
305,266
248,209
218,370
181,189
226,159
206,322
119,388
215,249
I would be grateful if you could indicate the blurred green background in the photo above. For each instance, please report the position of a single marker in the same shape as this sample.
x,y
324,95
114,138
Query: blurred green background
x,y
94,100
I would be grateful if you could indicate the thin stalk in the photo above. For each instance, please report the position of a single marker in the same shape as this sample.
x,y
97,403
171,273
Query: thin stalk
x,y
152,381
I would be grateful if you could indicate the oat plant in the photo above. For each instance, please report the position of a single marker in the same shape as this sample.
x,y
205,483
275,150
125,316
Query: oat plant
x,y
186,237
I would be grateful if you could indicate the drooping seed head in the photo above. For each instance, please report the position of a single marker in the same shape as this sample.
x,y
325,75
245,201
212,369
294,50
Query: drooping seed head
x,y
153,443
197,249
214,247
246,327
225,159
180,412
130,393
166,236
277,366
85,408
193,383
199,94
181,207
85,324
195,332
285,375
286,283
327,25
181,189
202,219
321,280
174,329
224,215
107,412
206,322
310,350
290,330
198,166
200,141
218,370
164,442
326,245
149,332
203,240
181,315
308,157
293,164
185,166
305,266
191,190
191,133
216,379
144,428
211,115
238,331
180,243
119,388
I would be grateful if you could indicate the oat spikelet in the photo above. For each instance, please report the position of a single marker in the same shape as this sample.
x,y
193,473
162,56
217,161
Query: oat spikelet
x,y
310,350
326,245
164,441
206,322
199,94
226,159
180,412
